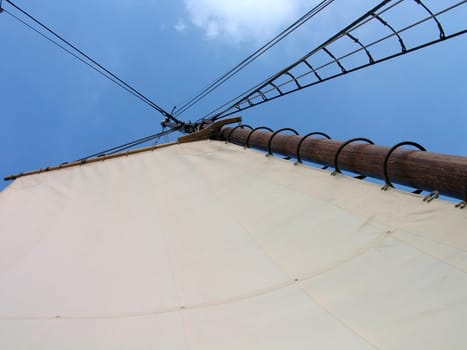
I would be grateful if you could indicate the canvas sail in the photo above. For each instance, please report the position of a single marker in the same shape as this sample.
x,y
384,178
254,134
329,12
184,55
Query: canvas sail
x,y
207,245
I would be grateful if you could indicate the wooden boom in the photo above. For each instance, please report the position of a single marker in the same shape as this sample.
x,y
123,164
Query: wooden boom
x,y
428,171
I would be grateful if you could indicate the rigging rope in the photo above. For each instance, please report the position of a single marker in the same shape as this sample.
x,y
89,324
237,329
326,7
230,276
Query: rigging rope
x,y
248,60
131,144
71,53
261,93
101,69
271,88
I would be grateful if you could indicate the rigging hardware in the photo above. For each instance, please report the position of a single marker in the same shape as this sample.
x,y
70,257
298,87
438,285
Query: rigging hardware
x,y
424,170
131,144
247,144
299,159
248,60
241,126
339,150
273,135
270,89
387,182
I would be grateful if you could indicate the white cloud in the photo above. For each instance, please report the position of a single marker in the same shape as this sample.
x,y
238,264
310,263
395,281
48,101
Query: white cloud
x,y
180,26
244,20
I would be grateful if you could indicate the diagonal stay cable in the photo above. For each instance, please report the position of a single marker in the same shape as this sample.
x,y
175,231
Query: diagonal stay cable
x,y
130,144
258,94
394,33
122,82
227,112
71,53
218,112
248,60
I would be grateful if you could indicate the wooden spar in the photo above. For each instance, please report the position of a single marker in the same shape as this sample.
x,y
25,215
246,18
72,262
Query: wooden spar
x,y
422,170
204,134
87,161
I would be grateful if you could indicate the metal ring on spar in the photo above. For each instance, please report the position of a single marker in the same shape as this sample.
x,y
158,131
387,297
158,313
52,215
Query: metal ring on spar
x,y
247,145
339,150
388,182
274,134
299,159
238,126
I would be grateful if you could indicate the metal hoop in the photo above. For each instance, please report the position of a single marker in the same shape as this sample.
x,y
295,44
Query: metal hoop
x,y
233,129
274,134
299,159
386,161
252,131
336,157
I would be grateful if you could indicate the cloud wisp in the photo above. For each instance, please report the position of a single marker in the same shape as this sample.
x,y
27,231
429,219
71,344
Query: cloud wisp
x,y
180,26
244,20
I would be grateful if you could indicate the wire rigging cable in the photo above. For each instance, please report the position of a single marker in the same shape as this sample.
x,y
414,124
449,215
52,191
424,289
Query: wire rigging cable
x,y
292,78
248,60
131,144
68,51
86,59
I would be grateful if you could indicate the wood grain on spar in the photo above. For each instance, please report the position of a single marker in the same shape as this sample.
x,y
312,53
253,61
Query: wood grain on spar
x,y
424,170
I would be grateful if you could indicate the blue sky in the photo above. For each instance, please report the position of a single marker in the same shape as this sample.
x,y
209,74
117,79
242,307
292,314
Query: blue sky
x,y
55,109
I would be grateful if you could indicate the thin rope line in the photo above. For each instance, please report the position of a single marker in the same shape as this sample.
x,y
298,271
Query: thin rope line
x,y
251,95
122,82
248,60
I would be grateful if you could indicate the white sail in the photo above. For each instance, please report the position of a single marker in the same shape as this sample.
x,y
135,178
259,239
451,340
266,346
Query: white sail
x,y
207,245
